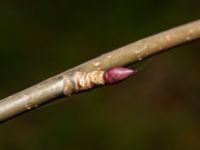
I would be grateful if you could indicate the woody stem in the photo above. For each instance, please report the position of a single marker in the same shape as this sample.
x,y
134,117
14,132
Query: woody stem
x,y
53,88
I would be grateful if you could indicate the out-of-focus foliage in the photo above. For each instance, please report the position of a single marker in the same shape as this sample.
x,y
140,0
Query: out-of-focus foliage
x,y
159,108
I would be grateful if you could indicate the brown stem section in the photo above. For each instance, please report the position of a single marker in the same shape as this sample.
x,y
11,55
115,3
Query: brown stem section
x,y
82,81
54,87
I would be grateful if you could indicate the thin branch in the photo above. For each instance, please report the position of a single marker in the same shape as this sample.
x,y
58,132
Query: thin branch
x,y
55,87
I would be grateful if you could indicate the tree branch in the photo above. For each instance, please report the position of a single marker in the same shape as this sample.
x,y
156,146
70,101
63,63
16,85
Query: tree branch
x,y
55,87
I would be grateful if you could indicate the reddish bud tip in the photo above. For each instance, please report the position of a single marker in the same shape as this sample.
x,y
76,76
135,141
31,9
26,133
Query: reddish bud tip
x,y
117,74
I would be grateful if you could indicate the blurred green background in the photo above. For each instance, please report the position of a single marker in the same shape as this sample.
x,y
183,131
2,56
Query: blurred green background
x,y
159,108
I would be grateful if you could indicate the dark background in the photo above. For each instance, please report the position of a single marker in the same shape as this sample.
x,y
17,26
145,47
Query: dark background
x,y
159,108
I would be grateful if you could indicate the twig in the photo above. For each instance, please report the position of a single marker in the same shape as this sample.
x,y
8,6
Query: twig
x,y
55,87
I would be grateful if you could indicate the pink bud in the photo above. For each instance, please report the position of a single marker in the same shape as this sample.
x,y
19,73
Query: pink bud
x,y
117,74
